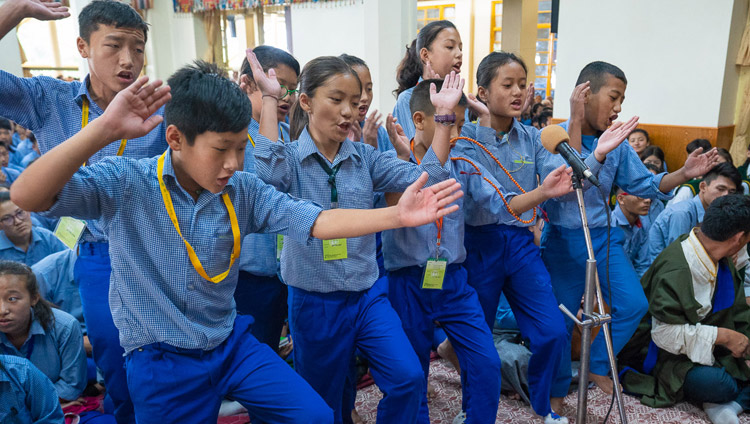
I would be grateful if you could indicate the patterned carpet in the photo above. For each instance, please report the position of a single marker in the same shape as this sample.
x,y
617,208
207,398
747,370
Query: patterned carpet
x,y
447,403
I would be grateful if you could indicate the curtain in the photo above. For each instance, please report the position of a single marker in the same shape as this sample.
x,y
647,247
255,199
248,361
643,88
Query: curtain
x,y
739,145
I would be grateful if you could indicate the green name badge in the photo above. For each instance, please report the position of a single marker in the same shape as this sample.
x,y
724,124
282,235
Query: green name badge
x,y
434,274
279,246
334,249
69,231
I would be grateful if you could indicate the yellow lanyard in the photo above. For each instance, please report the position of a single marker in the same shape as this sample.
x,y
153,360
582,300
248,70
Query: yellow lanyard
x,y
85,121
251,140
191,253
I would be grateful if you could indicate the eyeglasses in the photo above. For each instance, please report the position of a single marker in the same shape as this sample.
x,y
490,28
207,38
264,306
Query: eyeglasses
x,y
287,92
10,219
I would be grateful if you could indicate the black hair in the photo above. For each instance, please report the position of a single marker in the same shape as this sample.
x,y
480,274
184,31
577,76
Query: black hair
x,y
652,151
410,69
724,169
5,146
487,69
652,167
270,57
204,99
353,60
42,309
725,154
109,12
597,72
534,108
642,131
314,75
727,216
698,142
6,124
420,97
542,118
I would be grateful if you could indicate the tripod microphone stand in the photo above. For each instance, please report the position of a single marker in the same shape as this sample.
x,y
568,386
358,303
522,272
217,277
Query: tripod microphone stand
x,y
592,319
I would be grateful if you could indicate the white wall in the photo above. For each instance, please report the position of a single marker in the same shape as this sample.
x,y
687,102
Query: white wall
x,y
377,31
175,39
10,55
677,55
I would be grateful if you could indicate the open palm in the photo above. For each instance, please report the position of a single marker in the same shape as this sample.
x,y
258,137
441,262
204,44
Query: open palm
x,y
267,83
699,163
615,135
398,139
450,93
44,10
131,113
558,182
420,206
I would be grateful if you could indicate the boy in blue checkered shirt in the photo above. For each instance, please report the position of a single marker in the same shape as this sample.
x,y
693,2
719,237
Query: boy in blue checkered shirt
x,y
175,225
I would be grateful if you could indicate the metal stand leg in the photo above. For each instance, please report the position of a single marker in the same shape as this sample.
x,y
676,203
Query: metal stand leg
x,y
591,320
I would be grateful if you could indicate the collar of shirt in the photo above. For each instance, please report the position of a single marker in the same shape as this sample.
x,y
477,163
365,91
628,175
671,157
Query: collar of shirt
x,y
618,218
698,207
253,128
169,172
83,91
5,243
36,328
515,126
307,148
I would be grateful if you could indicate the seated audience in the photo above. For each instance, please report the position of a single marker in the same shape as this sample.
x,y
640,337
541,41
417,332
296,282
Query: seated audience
x,y
655,156
26,395
639,140
19,240
627,217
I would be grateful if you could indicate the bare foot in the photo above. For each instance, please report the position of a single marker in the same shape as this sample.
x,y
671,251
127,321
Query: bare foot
x,y
445,350
556,404
603,382
356,419
431,392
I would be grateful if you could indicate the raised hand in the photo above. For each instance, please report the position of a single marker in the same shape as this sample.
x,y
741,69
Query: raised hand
x,y
480,109
44,10
450,93
131,113
355,131
398,138
578,100
558,182
420,206
268,84
529,100
612,138
370,130
430,73
699,163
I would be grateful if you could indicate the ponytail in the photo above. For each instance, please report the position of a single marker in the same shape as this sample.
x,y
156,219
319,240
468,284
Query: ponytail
x,y
298,120
410,69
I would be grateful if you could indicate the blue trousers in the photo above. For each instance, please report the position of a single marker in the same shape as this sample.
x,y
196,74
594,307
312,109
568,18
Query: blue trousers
x,y
504,259
564,253
715,385
264,298
457,308
91,273
173,385
328,327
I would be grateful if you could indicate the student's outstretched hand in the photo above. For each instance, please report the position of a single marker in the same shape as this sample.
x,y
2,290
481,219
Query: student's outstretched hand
x,y
131,113
267,83
430,73
450,94
699,163
558,182
398,139
529,100
370,130
480,109
578,100
419,205
612,138
44,10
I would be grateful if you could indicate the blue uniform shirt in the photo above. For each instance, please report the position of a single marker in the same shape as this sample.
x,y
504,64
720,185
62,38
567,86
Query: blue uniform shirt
x,y
258,254
56,283
51,109
10,174
43,243
291,168
57,352
675,221
622,167
520,151
30,157
636,240
155,293
27,395
404,247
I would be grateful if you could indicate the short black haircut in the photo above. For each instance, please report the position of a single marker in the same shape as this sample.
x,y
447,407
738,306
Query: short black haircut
x,y
642,131
270,57
420,97
724,169
204,99
542,118
597,72
5,124
727,216
698,142
353,60
724,153
109,12
652,167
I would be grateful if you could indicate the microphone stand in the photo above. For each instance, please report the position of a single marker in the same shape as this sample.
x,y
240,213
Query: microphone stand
x,y
592,319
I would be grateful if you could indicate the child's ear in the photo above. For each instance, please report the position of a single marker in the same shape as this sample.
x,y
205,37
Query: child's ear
x,y
702,186
83,47
248,85
418,118
482,94
305,102
175,138
423,55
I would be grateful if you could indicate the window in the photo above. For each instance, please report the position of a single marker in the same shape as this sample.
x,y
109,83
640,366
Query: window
x,y
546,51
48,48
496,31
427,14
239,31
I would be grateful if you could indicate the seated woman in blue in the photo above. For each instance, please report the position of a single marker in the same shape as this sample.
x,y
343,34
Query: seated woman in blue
x,y
26,395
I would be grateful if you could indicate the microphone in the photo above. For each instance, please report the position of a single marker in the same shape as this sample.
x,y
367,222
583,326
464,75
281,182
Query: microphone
x,y
555,139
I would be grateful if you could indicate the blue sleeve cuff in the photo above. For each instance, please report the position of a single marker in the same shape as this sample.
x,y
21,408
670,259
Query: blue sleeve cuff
x,y
303,217
594,165
656,182
431,165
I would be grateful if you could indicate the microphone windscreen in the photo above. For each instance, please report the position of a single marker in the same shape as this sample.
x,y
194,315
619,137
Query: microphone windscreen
x,y
552,135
